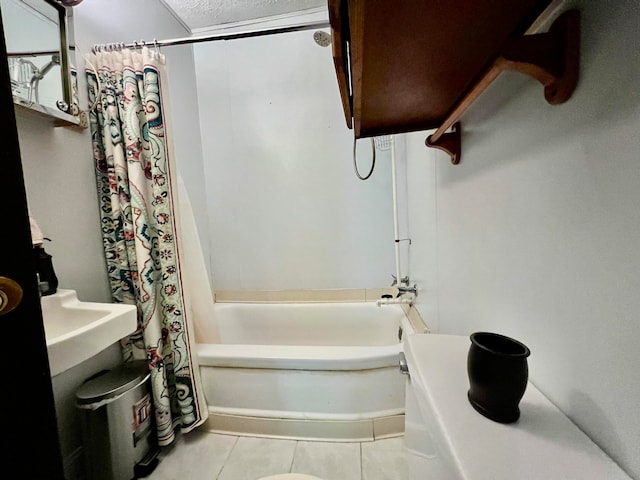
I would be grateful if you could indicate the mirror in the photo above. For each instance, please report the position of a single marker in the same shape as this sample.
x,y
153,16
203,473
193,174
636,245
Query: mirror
x,y
42,76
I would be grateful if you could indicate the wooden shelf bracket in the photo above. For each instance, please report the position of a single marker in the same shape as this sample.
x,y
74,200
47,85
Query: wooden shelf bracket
x,y
552,58
448,142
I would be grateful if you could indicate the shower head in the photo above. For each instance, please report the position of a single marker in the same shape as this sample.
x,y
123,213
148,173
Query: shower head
x,y
322,38
383,143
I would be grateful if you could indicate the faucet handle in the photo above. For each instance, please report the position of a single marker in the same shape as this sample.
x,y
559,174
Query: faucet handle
x,y
404,280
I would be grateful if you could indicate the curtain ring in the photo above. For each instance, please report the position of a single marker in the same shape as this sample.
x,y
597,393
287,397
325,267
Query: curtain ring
x,y
156,46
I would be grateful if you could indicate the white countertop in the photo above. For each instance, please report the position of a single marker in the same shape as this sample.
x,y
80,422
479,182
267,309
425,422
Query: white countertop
x,y
542,444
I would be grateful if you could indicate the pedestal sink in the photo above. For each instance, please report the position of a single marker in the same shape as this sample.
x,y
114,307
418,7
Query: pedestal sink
x,y
75,331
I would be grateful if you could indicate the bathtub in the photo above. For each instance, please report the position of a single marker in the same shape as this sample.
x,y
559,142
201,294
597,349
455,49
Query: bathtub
x,y
323,371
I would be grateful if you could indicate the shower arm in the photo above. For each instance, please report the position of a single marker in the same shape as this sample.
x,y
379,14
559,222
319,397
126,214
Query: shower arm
x,y
39,74
55,60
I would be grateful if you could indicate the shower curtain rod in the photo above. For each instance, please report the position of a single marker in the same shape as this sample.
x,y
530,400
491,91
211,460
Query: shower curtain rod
x,y
216,37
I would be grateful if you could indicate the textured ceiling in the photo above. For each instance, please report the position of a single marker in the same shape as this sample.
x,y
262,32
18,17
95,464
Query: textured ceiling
x,y
198,14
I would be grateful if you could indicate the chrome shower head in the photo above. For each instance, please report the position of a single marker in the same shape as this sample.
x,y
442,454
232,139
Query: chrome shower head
x,y
322,38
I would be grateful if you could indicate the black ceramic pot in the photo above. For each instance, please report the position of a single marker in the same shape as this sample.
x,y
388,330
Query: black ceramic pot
x,y
498,375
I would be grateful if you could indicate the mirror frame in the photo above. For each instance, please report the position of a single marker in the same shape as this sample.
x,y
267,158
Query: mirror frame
x,y
64,51
59,117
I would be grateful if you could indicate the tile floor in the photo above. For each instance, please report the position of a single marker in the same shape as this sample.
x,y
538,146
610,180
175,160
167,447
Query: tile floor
x,y
202,455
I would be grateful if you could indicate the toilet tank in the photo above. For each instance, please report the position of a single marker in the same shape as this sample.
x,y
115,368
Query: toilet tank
x,y
445,433
424,439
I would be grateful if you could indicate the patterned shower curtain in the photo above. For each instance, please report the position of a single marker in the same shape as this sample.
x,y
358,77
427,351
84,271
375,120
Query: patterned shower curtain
x,y
136,179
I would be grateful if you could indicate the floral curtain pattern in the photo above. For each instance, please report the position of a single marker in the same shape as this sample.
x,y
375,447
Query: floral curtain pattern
x,y
135,173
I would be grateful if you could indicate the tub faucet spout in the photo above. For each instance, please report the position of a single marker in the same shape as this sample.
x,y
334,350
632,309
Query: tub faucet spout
x,y
408,300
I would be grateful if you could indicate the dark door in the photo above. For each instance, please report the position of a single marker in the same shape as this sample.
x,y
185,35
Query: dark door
x,y
30,431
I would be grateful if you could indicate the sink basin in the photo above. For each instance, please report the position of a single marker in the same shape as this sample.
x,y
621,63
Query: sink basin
x,y
76,331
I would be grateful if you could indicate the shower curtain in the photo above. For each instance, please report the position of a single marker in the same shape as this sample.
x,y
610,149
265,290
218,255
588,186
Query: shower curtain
x,y
141,226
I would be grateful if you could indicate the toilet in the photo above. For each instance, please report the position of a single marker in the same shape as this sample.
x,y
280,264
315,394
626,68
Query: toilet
x,y
446,438
290,476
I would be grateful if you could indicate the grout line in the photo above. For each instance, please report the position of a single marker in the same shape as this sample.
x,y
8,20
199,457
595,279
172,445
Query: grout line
x,y
293,457
227,459
361,469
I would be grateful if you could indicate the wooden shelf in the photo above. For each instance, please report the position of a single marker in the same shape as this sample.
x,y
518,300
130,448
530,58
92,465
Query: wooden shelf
x,y
409,66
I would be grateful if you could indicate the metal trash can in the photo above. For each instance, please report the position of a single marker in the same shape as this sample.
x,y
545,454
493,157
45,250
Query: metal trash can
x,y
117,423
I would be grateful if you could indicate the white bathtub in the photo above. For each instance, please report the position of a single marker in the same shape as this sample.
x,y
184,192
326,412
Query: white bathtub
x,y
326,371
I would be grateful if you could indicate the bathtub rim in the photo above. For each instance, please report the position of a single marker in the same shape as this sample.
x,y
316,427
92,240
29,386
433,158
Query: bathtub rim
x,y
293,357
303,426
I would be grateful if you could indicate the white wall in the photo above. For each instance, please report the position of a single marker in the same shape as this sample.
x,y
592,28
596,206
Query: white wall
x,y
285,207
538,229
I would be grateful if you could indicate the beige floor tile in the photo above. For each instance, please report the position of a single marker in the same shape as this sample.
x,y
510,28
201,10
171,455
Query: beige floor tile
x,y
388,460
329,461
385,460
197,455
202,455
253,458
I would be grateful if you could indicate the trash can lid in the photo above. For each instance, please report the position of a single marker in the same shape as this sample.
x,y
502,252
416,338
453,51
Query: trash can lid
x,y
113,383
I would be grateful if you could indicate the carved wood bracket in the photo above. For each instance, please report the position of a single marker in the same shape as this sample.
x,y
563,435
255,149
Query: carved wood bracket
x,y
448,142
552,58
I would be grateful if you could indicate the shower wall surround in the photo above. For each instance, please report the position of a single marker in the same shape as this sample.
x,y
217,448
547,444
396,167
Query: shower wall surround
x,y
285,207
